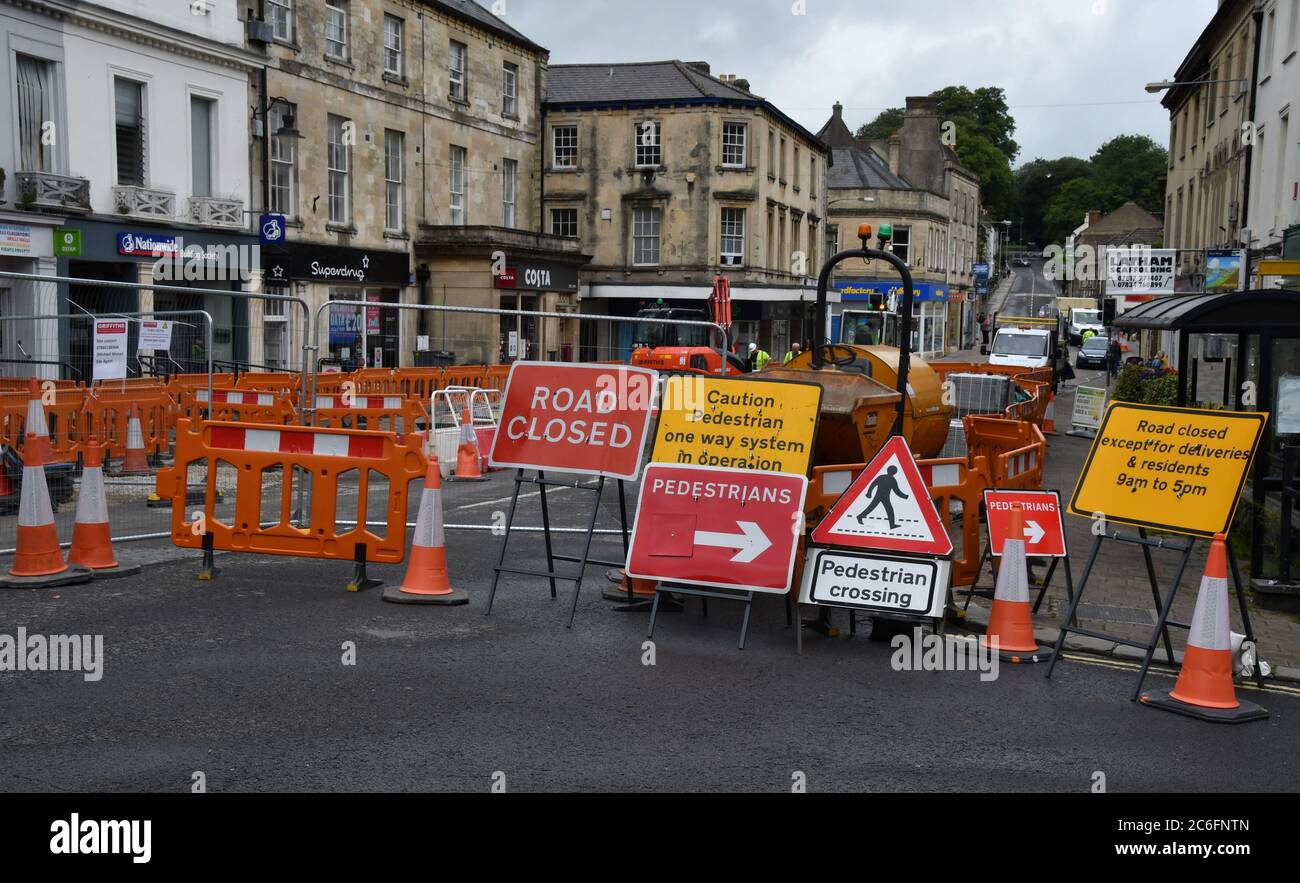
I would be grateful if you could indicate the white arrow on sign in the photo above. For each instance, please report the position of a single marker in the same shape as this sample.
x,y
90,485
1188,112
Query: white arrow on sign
x,y
1034,532
750,544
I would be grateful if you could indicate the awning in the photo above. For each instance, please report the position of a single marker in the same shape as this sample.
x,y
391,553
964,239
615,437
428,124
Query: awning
x,y
1240,311
702,292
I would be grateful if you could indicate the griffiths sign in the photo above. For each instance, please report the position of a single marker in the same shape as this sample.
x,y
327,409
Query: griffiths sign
x,y
755,425
1174,469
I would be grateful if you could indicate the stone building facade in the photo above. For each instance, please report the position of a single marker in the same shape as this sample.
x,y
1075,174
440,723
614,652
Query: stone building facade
x,y
400,138
915,183
668,176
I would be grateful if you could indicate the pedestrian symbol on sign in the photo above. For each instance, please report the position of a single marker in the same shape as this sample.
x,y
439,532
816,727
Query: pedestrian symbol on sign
x,y
880,491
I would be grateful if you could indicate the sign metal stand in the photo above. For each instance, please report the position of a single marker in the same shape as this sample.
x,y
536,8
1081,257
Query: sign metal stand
x,y
746,598
582,561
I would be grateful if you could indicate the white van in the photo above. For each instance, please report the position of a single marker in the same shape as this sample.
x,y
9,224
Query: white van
x,y
1022,347
1082,320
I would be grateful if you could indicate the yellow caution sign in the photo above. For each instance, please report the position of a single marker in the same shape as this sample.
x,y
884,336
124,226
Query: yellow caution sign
x,y
1174,469
729,423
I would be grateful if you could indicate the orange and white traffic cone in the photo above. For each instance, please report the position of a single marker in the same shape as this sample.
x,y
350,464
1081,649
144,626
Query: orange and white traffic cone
x,y
1011,624
135,460
38,551
92,545
426,580
1204,689
1049,416
642,589
468,464
37,425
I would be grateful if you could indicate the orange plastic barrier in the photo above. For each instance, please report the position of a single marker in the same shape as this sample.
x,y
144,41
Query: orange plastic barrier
x,y
1014,448
110,414
247,405
463,375
495,376
262,454
378,413
420,383
63,420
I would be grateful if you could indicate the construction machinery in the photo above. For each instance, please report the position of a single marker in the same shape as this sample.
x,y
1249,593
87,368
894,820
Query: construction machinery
x,y
688,348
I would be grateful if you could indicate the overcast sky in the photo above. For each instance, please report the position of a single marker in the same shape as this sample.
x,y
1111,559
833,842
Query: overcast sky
x,y
1074,78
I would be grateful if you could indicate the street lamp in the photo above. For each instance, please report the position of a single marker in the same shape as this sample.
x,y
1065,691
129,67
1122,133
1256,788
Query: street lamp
x,y
1162,85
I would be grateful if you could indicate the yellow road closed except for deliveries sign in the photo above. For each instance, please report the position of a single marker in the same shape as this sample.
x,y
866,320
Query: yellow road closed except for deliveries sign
x,y
759,425
1174,469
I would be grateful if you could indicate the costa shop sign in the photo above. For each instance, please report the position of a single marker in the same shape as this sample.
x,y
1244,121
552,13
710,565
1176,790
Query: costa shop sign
x,y
538,277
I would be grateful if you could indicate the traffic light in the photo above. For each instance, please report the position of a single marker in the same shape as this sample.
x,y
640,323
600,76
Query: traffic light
x,y
1108,312
877,301
885,234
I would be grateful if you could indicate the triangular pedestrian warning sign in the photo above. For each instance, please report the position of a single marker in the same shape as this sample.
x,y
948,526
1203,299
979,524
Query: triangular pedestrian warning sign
x,y
887,507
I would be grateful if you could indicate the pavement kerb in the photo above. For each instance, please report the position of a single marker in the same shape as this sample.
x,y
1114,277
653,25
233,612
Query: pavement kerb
x,y
977,618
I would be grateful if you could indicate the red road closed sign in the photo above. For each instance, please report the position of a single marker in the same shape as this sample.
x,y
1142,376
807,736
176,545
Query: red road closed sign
x,y
727,528
1044,529
590,419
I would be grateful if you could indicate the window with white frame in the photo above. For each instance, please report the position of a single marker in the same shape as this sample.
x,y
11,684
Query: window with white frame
x,y
128,123
645,237
457,186
733,144
564,150
510,89
902,246
336,29
393,145
394,37
456,58
284,158
36,98
564,222
509,183
732,251
280,13
339,163
647,144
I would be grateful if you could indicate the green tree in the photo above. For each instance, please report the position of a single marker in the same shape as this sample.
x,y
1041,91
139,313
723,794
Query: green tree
x,y
1132,165
885,124
1073,201
1037,183
983,112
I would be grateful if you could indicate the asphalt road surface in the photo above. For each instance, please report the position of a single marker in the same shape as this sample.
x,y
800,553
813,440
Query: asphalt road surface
x,y
244,679
1030,292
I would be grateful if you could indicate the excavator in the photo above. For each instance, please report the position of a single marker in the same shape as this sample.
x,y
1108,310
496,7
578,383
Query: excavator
x,y
687,348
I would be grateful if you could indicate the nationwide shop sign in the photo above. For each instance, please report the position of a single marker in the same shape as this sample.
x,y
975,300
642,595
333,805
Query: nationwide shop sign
x,y
725,528
1175,469
875,581
110,349
589,419
758,425
146,245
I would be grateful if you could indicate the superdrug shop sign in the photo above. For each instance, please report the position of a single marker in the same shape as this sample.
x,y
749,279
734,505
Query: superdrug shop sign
x,y
340,266
538,277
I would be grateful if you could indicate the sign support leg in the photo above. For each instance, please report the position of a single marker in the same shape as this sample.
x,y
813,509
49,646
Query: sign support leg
x,y
1162,626
1074,603
1155,589
546,529
501,559
586,550
1245,612
1047,581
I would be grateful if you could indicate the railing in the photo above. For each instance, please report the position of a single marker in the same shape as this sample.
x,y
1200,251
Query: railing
x,y
143,202
214,211
47,190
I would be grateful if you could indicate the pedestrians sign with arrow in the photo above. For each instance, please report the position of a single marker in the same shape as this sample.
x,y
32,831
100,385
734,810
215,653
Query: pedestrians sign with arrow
x,y
1044,531
725,528
888,507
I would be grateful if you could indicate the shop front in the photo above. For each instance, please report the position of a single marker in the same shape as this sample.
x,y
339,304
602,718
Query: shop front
x,y
128,251
27,347
929,310
537,286
351,336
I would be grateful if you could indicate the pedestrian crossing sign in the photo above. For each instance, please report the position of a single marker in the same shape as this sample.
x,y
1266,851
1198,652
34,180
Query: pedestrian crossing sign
x,y
887,507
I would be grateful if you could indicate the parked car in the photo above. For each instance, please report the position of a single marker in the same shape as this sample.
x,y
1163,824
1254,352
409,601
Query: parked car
x,y
1093,353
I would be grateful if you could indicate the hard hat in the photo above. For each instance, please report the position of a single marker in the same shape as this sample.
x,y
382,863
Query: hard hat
x,y
752,346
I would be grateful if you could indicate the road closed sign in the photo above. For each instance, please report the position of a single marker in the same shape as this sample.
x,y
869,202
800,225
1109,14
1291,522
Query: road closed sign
x,y
724,528
589,419
759,425
1174,469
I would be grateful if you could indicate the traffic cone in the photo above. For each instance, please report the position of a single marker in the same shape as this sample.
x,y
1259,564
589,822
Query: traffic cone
x,y
38,552
642,589
1011,621
135,460
468,465
1204,689
1049,416
426,580
92,545
37,424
